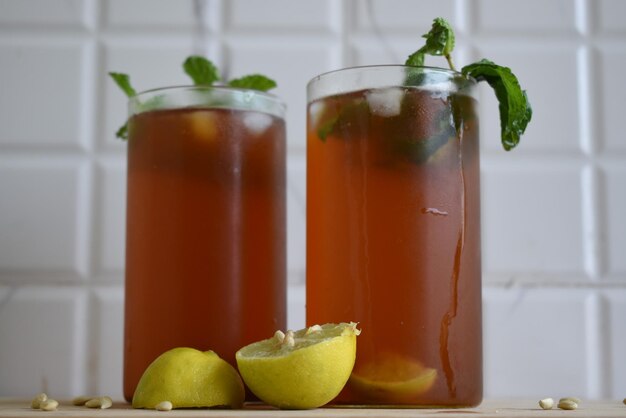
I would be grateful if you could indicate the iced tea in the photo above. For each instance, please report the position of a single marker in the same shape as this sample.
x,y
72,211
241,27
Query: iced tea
x,y
205,253
393,231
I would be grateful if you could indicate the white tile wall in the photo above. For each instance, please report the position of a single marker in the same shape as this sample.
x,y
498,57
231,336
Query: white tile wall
x,y
527,331
39,208
44,13
617,346
106,342
554,232
162,15
611,90
532,219
528,18
616,227
41,97
42,346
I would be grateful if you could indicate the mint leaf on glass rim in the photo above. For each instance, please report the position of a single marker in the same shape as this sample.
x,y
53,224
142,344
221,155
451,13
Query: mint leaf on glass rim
x,y
203,73
440,40
253,82
123,82
122,133
201,70
515,109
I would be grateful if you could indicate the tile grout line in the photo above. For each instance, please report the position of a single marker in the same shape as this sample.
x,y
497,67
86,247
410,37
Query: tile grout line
x,y
605,326
81,342
595,342
90,331
590,226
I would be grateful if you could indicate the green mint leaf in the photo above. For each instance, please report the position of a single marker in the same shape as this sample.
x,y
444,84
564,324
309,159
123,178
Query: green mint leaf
x,y
122,133
254,82
515,109
439,41
326,128
420,149
123,82
201,70
155,102
416,59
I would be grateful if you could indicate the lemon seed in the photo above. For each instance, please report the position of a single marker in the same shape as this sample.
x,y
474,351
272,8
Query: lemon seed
x,y
102,402
37,400
49,405
312,329
81,400
280,336
289,339
546,403
571,398
164,406
567,404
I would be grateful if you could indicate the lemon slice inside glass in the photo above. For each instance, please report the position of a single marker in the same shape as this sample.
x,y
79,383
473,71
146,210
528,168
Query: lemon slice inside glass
x,y
302,369
189,378
392,378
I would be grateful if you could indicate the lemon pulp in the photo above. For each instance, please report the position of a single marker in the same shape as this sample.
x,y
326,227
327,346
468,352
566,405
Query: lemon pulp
x,y
392,378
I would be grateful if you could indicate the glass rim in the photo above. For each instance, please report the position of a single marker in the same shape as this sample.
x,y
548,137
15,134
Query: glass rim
x,y
320,78
372,66
269,98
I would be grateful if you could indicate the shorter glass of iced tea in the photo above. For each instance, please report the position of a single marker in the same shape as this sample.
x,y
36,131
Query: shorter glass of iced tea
x,y
205,243
393,230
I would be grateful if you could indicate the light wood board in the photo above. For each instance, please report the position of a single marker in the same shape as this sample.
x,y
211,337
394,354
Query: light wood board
x,y
14,408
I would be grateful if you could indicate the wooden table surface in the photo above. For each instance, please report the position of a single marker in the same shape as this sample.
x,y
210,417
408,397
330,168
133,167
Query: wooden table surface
x,y
501,408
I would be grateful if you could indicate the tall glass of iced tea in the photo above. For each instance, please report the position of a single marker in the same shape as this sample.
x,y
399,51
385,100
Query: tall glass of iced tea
x,y
393,230
205,249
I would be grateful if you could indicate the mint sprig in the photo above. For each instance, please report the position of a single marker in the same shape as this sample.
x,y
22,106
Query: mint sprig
x,y
123,81
203,73
254,82
439,41
515,109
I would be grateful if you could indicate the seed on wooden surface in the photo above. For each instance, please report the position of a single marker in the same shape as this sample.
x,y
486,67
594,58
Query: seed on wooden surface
x,y
49,405
546,403
37,400
102,402
81,400
164,406
571,398
567,404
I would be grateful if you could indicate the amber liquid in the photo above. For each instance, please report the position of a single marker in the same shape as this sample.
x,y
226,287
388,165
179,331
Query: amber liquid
x,y
205,252
393,242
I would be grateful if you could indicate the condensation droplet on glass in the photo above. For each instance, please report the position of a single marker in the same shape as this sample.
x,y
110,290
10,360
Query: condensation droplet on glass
x,y
248,96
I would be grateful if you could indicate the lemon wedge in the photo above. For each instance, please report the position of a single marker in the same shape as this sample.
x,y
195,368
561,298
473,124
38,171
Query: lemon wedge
x,y
392,378
302,369
189,378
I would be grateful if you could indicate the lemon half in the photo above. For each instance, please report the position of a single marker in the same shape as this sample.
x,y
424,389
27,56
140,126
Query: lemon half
x,y
392,378
189,378
302,369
